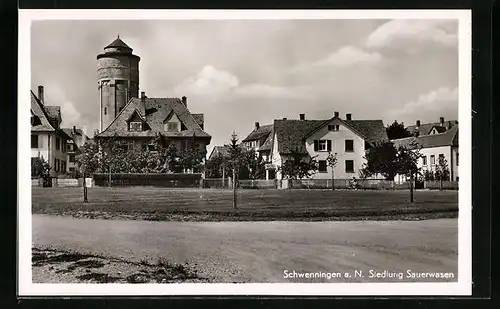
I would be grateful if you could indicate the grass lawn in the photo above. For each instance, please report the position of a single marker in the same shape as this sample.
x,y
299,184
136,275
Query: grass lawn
x,y
162,204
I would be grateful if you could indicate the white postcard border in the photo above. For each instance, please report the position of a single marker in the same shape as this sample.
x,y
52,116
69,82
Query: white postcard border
x,y
462,287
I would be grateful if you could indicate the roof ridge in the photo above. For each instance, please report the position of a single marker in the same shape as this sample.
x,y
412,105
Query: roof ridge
x,y
41,106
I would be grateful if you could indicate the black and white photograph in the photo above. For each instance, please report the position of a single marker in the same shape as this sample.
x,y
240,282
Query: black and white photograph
x,y
245,153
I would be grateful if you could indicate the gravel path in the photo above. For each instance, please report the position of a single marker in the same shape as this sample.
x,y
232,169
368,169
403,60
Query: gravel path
x,y
262,251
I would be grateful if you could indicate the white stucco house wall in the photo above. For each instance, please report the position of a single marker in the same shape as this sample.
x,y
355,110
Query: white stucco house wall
x,y
48,140
348,138
432,143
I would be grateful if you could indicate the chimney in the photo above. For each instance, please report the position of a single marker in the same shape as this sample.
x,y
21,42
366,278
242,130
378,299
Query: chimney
x,y
284,118
336,114
257,125
184,101
441,121
348,117
40,94
143,95
74,129
418,123
302,116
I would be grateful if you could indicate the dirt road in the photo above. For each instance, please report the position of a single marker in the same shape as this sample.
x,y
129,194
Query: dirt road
x,y
263,251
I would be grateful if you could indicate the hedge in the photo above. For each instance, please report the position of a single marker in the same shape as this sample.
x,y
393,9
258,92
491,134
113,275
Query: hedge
x,y
138,179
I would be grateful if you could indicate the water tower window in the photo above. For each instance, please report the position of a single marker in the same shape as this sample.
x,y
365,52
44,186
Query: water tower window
x,y
105,111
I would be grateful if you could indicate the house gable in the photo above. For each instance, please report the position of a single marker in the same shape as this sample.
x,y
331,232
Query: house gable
x,y
157,110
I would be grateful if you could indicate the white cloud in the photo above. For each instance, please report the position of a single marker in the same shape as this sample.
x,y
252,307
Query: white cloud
x,y
209,81
401,32
344,57
56,96
349,55
439,102
220,85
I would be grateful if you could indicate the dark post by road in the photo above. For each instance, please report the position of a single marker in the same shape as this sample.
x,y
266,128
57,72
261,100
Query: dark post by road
x,y
411,186
234,188
84,188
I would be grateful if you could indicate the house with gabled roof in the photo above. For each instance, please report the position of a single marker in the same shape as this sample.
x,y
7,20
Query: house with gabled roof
x,y
434,140
222,151
48,140
77,139
348,138
143,119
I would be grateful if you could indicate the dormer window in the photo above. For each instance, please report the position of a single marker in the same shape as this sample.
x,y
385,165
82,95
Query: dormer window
x,y
172,127
135,126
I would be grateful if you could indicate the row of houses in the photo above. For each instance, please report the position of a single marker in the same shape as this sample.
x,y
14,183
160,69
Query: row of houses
x,y
137,119
349,139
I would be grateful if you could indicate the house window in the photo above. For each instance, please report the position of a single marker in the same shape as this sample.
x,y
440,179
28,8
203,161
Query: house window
x,y
34,141
349,145
63,166
71,169
105,111
58,143
322,166
433,159
349,166
172,127
333,127
135,126
70,147
56,165
322,145
457,158
151,147
424,160
72,158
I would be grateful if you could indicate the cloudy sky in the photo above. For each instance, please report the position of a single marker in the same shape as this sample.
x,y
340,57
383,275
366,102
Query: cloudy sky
x,y
238,72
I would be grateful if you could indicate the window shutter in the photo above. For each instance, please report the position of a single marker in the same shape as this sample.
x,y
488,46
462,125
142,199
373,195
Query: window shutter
x,y
329,145
315,145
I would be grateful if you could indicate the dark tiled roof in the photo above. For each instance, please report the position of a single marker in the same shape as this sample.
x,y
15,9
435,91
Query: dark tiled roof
x,y
118,43
53,112
156,111
268,143
373,131
219,150
260,133
38,110
69,131
291,134
425,128
199,118
448,138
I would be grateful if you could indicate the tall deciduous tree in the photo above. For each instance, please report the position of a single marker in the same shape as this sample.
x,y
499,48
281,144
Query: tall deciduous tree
x,y
40,167
298,166
191,157
385,159
380,160
397,130
89,160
